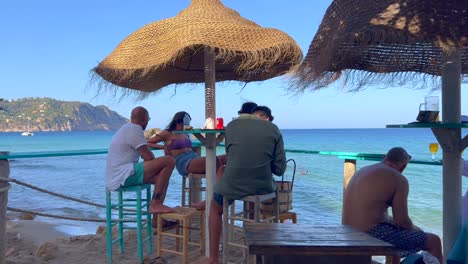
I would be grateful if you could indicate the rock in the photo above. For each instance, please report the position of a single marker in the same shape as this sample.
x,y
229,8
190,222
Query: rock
x,y
149,133
102,230
9,251
46,251
27,216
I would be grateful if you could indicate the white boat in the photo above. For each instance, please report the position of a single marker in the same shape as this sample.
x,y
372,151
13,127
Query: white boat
x,y
27,134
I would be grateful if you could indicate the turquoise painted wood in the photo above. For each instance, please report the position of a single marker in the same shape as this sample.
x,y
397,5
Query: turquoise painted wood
x,y
199,131
45,154
139,215
339,154
430,125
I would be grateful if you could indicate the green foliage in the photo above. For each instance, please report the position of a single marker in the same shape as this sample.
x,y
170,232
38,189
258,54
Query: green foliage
x,y
47,114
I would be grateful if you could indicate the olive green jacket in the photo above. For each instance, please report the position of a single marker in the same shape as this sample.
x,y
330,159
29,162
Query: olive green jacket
x,y
255,151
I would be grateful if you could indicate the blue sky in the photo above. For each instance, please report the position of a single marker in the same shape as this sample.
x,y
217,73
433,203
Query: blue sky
x,y
47,49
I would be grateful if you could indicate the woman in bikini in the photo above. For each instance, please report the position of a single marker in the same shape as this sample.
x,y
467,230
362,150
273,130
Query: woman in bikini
x,y
180,147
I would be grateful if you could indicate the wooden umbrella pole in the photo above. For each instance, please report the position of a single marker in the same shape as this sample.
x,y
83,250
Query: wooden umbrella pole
x,y
451,145
4,172
210,112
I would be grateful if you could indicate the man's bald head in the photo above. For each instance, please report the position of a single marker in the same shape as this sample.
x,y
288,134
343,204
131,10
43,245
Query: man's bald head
x,y
398,156
140,116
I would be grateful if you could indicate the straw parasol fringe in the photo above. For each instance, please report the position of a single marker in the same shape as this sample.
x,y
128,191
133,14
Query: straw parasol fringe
x,y
171,51
384,37
246,67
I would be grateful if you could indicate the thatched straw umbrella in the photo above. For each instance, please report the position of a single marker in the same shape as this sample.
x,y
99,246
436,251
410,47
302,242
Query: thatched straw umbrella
x,y
205,42
374,42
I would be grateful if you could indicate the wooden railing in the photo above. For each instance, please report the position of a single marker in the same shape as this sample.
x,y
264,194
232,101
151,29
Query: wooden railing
x,y
350,161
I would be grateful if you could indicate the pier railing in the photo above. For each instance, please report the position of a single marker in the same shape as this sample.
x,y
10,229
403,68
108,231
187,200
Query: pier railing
x,y
350,162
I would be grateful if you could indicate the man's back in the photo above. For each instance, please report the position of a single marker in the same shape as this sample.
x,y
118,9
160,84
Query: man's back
x,y
254,150
123,154
369,194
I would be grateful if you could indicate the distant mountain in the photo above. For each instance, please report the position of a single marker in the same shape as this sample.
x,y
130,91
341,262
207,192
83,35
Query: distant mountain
x,y
47,114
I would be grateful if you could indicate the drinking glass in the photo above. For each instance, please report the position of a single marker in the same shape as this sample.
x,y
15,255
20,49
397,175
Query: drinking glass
x,y
433,148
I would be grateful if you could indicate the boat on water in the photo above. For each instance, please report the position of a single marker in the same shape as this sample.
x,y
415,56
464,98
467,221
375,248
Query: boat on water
x,y
27,133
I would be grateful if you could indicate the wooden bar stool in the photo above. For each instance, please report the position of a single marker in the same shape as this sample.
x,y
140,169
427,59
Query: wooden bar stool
x,y
288,215
131,210
184,216
283,216
230,216
190,189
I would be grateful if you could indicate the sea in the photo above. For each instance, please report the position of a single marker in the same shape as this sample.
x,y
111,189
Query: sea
x,y
318,182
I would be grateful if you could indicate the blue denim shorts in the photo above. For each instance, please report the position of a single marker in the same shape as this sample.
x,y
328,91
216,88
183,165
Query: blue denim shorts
x,y
183,160
219,199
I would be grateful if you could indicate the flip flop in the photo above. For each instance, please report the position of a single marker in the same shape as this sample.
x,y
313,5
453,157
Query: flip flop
x,y
166,225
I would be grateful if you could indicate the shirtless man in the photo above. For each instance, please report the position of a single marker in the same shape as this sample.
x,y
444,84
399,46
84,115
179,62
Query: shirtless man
x,y
123,169
371,191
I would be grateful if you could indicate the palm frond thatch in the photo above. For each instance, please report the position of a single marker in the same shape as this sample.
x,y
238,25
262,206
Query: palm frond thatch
x,y
386,38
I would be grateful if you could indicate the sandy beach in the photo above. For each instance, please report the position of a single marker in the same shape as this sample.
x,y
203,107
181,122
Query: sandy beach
x,y
36,242
31,242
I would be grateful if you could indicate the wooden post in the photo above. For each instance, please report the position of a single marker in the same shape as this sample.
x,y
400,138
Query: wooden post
x,y
196,183
4,172
210,112
349,170
451,111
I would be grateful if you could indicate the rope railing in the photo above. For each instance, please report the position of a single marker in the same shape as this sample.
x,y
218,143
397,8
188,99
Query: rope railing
x,y
50,192
4,189
57,216
57,195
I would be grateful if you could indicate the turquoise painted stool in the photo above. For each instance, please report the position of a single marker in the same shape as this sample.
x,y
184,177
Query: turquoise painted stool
x,y
131,210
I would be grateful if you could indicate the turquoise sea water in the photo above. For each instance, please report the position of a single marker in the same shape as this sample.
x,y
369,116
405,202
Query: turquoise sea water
x,y
317,196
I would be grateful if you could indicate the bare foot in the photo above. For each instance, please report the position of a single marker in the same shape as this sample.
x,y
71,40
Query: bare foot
x,y
160,209
200,205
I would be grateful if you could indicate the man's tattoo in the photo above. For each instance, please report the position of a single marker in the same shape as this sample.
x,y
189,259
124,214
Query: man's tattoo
x,y
157,196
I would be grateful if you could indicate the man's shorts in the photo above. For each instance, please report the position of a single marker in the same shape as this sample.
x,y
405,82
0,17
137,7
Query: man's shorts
x,y
406,241
183,160
137,177
219,199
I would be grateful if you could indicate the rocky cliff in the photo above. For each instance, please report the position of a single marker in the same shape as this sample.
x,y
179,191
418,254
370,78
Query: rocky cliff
x,y
47,114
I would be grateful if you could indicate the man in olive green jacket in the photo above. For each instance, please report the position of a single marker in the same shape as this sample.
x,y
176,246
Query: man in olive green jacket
x,y
255,151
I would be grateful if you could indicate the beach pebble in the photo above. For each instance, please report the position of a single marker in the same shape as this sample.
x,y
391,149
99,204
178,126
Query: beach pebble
x,y
46,251
11,224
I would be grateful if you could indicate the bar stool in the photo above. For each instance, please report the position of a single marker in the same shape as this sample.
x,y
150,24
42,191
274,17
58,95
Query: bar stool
x,y
230,216
184,216
136,207
284,216
190,189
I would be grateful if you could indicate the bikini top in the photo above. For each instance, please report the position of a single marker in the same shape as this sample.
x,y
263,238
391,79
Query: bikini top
x,y
180,144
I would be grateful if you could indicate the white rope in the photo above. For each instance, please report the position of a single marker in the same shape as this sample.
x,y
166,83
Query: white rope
x,y
58,194
67,217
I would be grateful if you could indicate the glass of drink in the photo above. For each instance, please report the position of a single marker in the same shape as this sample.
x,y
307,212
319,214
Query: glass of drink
x,y
219,123
433,148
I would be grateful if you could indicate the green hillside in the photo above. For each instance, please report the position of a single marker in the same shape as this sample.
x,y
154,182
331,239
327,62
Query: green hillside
x,y
47,114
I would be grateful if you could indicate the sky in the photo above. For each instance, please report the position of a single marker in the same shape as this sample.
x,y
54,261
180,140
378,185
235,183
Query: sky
x,y
47,49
